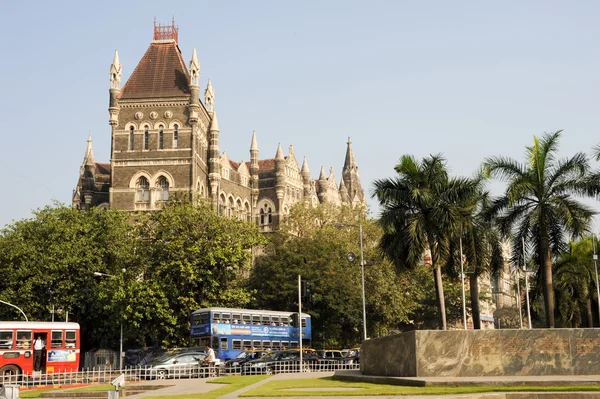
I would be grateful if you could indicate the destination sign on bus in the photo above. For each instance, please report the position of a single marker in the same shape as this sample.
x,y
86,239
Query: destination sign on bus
x,y
248,329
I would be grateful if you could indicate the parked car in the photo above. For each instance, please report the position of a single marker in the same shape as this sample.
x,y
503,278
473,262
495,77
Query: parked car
x,y
235,365
175,365
329,359
352,357
281,362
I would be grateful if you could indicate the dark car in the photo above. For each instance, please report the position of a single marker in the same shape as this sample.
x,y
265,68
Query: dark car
x,y
235,365
329,359
286,361
352,358
175,365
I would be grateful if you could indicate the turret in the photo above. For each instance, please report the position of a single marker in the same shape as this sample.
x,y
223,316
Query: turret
x,y
194,88
214,168
344,192
305,172
115,89
88,184
279,175
322,193
351,177
209,97
254,171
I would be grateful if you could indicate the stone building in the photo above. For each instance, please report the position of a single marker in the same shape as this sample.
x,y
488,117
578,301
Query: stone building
x,y
165,140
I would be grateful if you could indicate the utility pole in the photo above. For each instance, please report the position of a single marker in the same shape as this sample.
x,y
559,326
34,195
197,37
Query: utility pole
x,y
300,318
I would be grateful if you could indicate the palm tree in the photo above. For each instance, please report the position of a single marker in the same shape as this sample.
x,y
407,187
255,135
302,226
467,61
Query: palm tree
x,y
539,204
421,211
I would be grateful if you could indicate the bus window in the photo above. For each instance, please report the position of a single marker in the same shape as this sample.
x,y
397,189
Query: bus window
x,y
257,344
204,341
256,319
216,317
236,318
204,318
266,344
70,339
23,339
6,339
276,345
303,322
285,321
56,341
275,321
294,344
246,319
226,318
224,344
247,344
196,320
285,344
236,344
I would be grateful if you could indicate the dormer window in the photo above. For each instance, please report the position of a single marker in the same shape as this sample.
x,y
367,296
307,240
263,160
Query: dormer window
x,y
226,173
131,139
146,138
175,136
161,138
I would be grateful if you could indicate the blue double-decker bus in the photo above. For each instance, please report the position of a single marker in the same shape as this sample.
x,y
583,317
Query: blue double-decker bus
x,y
230,331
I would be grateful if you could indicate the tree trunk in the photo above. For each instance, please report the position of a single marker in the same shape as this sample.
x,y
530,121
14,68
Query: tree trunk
x,y
588,313
546,261
474,289
439,291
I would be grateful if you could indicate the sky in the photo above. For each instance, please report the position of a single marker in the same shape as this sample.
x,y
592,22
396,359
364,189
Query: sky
x,y
467,79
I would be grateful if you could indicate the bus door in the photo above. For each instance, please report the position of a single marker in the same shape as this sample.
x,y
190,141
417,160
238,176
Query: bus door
x,y
40,365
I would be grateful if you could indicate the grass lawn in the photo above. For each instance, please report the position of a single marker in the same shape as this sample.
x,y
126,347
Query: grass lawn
x,y
295,387
232,383
35,393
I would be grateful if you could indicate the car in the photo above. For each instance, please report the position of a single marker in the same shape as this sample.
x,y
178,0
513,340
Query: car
x,y
174,365
281,362
235,365
329,359
351,358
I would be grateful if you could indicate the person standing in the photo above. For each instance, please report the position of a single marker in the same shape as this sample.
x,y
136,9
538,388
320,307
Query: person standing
x,y
38,347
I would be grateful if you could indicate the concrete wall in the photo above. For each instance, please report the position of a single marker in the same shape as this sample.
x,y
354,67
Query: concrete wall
x,y
469,353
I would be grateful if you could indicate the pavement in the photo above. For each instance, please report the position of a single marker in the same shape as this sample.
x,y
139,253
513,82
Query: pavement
x,y
200,386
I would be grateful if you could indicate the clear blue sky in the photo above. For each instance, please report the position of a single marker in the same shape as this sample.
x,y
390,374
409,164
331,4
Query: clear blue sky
x,y
467,79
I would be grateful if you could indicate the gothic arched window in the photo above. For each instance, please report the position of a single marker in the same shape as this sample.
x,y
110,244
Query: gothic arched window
x,y
146,138
161,138
142,190
163,188
175,135
265,215
131,138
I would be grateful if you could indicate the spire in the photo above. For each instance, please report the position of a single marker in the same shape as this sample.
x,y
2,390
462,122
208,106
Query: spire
x,y
305,166
209,97
194,69
322,174
349,162
343,186
291,152
331,176
88,160
115,72
254,144
214,125
279,154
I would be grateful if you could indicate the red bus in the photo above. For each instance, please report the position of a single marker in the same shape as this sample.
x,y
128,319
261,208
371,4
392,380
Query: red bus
x,y
60,353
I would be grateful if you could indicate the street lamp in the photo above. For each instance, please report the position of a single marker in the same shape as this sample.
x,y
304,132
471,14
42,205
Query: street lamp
x,y
526,285
100,274
595,258
16,307
362,265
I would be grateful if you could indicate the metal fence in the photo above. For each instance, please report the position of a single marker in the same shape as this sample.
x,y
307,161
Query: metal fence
x,y
105,375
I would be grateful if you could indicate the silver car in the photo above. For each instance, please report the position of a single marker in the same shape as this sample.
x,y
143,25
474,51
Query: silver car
x,y
176,365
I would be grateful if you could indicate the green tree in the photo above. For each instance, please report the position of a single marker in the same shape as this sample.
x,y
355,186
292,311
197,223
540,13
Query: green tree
x,y
421,210
539,204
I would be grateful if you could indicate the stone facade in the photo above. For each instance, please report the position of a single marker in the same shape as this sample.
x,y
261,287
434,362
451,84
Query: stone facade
x,y
165,140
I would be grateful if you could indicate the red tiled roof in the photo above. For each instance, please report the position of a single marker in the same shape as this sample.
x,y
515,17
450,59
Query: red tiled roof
x,y
234,164
102,168
160,73
266,164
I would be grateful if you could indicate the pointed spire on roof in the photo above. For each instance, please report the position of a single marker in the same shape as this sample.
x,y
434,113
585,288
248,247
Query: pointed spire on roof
x,y
254,144
214,125
194,69
349,162
305,166
331,173
322,174
88,160
291,152
279,154
343,186
115,72
209,97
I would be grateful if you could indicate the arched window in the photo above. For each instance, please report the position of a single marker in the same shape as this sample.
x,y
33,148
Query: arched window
x,y
163,188
161,139
131,139
143,190
146,138
175,135
265,215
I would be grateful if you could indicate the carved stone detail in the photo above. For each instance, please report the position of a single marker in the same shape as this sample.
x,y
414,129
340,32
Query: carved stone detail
x,y
168,114
139,115
153,115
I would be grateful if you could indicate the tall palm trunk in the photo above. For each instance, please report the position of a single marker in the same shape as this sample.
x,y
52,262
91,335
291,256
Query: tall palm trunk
x,y
588,312
474,290
439,292
547,281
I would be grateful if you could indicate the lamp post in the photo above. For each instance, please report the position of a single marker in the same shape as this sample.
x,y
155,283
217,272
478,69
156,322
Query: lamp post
x,y
16,307
518,297
526,285
362,268
595,258
100,274
462,279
